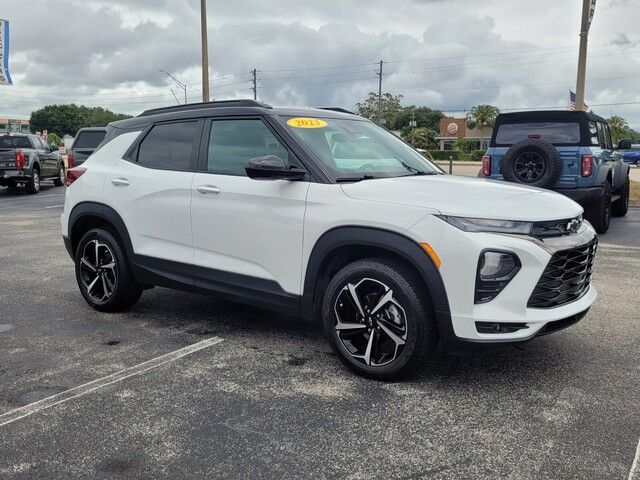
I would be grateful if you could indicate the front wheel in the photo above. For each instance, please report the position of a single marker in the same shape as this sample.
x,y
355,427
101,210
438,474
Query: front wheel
x,y
103,272
378,318
620,207
59,180
599,214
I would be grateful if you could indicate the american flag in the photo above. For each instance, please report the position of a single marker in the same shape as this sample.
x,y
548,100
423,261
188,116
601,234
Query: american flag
x,y
572,102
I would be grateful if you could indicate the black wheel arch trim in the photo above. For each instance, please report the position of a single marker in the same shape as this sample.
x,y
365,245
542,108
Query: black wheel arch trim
x,y
393,242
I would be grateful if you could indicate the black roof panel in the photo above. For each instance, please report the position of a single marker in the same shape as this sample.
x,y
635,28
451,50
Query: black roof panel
x,y
546,116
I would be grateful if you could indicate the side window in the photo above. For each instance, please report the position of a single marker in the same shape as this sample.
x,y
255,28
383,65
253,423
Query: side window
x,y
607,132
593,133
233,142
601,137
168,146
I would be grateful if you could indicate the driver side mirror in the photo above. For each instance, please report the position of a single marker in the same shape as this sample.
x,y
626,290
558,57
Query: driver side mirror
x,y
53,148
624,144
272,167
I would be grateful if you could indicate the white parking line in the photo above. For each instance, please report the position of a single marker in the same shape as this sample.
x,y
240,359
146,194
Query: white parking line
x,y
634,473
55,206
94,385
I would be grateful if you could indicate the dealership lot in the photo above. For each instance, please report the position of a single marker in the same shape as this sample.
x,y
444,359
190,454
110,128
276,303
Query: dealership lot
x,y
271,400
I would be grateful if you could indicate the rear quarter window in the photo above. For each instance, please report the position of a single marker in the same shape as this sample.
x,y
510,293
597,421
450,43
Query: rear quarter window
x,y
566,133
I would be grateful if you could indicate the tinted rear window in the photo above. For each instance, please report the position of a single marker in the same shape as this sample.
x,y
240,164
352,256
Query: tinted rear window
x,y
552,132
88,139
14,142
168,146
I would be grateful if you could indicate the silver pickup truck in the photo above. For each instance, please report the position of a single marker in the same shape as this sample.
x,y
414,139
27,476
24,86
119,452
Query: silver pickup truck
x,y
27,159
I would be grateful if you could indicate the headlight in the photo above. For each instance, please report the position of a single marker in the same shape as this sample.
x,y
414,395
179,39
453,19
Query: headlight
x,y
488,225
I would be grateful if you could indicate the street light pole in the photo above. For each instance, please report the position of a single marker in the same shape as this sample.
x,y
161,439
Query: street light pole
x,y
587,14
183,86
205,51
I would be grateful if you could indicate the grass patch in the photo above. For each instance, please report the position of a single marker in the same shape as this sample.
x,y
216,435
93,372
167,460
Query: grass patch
x,y
634,199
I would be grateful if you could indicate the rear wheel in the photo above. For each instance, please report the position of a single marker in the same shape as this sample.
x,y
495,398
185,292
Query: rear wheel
x,y
378,318
620,207
599,214
104,274
33,184
59,180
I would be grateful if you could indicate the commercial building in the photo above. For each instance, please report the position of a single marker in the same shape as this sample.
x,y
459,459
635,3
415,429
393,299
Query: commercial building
x,y
12,125
452,129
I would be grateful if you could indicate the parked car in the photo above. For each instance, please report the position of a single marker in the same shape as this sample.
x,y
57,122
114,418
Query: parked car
x,y
568,152
27,159
323,214
632,155
84,144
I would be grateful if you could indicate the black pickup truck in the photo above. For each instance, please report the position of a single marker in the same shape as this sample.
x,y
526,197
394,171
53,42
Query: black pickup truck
x,y
27,159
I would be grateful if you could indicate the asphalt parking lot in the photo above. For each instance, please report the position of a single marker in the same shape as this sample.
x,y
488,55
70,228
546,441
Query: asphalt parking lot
x,y
234,392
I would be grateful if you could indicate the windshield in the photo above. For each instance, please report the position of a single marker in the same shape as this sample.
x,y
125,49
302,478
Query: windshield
x,y
88,139
356,149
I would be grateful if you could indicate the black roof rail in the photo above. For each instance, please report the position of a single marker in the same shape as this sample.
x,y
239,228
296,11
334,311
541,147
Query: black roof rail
x,y
338,109
200,105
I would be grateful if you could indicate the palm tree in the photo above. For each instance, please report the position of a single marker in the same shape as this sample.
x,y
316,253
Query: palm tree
x,y
619,128
482,116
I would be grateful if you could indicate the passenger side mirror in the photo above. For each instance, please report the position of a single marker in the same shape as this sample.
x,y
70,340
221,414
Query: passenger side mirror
x,y
272,167
624,144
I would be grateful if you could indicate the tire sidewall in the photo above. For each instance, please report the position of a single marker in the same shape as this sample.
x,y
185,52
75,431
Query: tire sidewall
x,y
409,302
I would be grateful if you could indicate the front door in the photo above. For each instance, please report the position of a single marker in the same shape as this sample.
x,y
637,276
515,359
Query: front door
x,y
247,233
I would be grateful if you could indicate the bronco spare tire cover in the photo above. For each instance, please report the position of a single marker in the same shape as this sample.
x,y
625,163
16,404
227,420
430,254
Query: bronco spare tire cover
x,y
532,162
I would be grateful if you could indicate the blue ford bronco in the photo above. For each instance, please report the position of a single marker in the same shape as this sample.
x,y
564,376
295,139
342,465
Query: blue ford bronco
x,y
569,152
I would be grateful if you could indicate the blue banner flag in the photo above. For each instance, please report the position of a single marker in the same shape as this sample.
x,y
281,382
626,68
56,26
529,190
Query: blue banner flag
x,y
5,76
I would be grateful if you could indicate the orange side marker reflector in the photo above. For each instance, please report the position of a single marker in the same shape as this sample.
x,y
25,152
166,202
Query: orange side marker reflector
x,y
432,253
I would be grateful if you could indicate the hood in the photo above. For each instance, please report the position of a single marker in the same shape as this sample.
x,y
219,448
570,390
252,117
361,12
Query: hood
x,y
467,197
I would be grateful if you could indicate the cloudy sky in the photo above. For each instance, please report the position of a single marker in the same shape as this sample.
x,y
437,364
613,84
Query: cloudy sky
x,y
447,54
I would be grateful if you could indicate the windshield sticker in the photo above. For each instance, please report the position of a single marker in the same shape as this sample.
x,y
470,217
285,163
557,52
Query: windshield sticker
x,y
306,123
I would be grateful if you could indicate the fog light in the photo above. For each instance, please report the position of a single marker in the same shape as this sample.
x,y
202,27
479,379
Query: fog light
x,y
495,270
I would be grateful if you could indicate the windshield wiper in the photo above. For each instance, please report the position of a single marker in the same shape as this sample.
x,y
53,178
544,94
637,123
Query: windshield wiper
x,y
355,179
414,170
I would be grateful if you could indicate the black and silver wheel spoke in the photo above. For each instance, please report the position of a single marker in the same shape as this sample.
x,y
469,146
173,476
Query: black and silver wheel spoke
x,y
98,270
370,323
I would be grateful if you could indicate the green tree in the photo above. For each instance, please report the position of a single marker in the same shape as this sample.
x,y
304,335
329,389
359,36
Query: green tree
x,y
388,108
619,128
54,139
63,119
425,117
464,145
482,116
422,138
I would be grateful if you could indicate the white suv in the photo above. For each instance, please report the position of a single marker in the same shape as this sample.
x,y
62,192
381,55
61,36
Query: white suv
x,y
323,214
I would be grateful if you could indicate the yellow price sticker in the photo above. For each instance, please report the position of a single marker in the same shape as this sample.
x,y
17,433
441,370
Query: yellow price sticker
x,y
306,123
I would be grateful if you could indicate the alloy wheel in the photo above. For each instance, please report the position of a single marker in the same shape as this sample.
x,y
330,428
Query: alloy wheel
x,y
36,180
529,167
98,270
370,322
61,174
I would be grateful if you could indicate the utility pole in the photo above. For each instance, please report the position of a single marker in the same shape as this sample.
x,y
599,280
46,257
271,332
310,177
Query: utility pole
x,y
380,93
205,51
588,8
255,85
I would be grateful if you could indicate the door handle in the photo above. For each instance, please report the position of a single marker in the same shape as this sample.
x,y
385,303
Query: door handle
x,y
120,182
208,189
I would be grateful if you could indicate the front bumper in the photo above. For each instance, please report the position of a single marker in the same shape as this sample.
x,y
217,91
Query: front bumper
x,y
460,251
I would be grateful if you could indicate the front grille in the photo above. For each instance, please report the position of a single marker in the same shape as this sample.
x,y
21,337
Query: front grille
x,y
566,277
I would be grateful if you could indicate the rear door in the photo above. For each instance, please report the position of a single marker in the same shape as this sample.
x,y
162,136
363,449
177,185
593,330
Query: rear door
x,y
151,190
244,230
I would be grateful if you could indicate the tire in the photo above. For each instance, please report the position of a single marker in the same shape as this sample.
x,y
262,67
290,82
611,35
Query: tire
x,y
532,162
408,311
599,214
59,180
620,207
33,184
106,284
